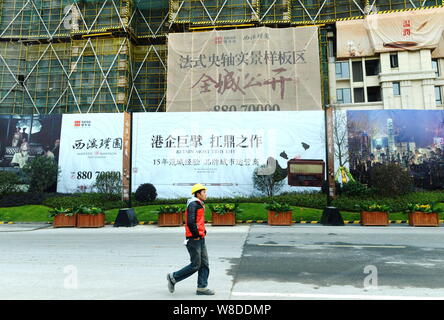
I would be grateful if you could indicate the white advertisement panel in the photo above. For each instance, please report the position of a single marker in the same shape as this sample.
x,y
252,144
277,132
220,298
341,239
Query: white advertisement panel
x,y
89,145
395,31
173,151
252,69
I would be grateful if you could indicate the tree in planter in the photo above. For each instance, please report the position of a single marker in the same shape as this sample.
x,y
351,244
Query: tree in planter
x,y
41,173
268,184
390,180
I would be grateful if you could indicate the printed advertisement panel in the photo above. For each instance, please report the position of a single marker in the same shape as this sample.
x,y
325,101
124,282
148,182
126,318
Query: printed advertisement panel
x,y
410,30
413,139
173,151
253,69
24,137
90,144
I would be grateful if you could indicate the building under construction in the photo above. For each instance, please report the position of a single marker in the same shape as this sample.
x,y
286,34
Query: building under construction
x,y
68,56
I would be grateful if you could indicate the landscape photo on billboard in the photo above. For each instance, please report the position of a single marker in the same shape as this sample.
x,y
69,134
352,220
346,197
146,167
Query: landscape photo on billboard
x,y
414,139
24,137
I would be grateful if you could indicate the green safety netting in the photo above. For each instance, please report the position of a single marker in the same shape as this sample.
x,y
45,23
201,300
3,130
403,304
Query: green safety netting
x,y
141,4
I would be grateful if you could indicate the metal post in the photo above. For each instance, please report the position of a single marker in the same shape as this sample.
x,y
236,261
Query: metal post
x,y
130,162
127,159
327,163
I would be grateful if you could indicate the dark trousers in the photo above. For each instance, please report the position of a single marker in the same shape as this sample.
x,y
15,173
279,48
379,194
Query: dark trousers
x,y
199,263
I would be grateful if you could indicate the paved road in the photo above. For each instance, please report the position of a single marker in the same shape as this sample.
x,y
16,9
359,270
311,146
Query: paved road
x,y
247,262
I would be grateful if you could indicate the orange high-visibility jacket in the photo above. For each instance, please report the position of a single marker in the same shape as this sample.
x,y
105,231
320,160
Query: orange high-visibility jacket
x,y
195,219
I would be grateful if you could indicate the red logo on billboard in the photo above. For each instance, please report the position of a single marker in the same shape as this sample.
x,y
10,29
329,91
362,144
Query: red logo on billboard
x,y
76,123
218,40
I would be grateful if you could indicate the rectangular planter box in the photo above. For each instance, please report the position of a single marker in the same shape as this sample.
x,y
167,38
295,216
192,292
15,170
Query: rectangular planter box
x,y
170,219
374,218
227,219
90,220
62,221
421,219
279,218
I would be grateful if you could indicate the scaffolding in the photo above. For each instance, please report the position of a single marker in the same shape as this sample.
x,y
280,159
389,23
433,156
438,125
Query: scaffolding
x,y
328,11
30,19
99,75
111,55
12,74
49,19
149,19
148,78
46,66
275,11
384,5
320,11
81,76
212,12
96,16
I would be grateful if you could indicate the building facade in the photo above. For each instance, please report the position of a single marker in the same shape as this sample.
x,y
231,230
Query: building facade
x,y
64,56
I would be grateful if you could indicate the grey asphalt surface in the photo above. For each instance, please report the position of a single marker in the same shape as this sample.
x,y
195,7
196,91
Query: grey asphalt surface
x,y
246,262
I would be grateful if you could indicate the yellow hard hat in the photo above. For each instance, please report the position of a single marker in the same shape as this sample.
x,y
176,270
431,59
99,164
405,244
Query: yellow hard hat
x,y
197,187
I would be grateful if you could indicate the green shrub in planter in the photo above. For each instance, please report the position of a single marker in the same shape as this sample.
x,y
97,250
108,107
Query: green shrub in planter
x,y
169,209
426,208
373,207
226,207
82,209
65,211
278,206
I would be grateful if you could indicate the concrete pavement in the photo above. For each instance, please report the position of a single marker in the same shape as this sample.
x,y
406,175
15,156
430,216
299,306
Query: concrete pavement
x,y
246,262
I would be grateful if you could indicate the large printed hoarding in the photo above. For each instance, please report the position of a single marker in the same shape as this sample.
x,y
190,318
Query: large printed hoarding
x,y
410,30
173,151
24,137
412,138
90,145
254,69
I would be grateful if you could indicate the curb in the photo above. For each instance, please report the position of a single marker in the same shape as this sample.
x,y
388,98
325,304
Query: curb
x,y
295,222
238,221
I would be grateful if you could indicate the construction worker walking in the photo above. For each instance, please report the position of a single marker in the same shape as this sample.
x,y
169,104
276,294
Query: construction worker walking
x,y
195,242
